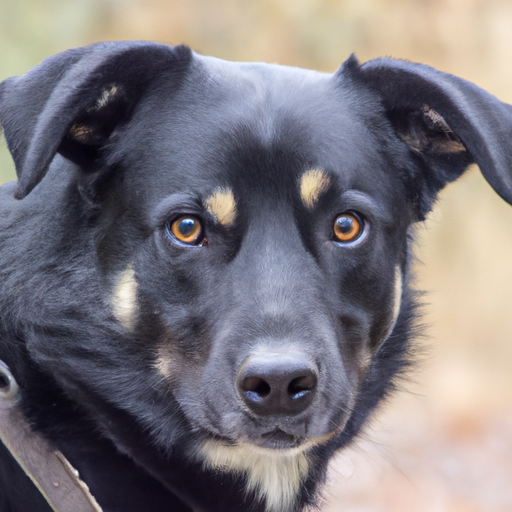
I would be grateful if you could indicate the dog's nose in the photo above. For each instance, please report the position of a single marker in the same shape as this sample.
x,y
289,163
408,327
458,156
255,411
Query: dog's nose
x,y
277,383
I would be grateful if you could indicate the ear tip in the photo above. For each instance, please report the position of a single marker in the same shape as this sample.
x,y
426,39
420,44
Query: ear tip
x,y
352,61
19,193
22,188
351,65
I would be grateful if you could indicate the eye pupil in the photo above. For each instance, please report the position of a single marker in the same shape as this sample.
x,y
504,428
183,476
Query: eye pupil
x,y
187,229
347,227
187,226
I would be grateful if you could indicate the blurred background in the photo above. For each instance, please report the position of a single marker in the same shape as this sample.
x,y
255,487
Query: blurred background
x,y
445,442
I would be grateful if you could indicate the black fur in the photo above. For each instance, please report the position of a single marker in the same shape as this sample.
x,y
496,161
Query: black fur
x,y
112,143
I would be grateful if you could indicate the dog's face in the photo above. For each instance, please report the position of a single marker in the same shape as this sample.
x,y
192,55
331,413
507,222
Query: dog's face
x,y
235,242
271,264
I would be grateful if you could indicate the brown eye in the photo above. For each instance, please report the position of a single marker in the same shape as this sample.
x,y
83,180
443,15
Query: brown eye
x,y
187,229
348,227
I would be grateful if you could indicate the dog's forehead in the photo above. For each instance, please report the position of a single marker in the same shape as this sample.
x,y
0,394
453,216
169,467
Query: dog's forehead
x,y
251,122
279,104
258,84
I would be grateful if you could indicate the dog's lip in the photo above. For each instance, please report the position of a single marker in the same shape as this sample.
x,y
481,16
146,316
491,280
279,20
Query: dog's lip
x,y
275,439
278,439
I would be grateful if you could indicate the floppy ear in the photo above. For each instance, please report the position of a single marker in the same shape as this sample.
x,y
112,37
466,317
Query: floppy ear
x,y
447,122
72,102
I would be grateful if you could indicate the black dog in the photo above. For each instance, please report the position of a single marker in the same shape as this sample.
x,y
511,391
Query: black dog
x,y
204,265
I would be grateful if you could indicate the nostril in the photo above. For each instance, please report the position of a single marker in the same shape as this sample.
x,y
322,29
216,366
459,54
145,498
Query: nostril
x,y
300,386
277,383
255,388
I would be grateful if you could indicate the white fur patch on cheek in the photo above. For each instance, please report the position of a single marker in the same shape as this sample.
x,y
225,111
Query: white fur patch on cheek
x,y
166,364
397,301
274,475
397,298
124,299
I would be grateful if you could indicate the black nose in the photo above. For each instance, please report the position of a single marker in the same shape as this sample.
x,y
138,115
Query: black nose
x,y
277,383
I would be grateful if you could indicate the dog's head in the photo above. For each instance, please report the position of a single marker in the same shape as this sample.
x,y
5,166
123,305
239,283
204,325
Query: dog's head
x,y
217,253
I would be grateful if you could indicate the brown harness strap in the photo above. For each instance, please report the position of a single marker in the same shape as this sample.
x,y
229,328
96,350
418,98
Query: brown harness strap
x,y
48,469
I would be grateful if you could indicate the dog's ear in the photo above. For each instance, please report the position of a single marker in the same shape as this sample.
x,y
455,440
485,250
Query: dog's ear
x,y
446,121
72,102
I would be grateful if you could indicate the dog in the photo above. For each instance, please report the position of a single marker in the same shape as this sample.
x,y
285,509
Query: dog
x,y
205,268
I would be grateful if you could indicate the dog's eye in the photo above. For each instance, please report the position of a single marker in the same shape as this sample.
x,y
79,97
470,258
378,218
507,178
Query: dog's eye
x,y
186,229
348,227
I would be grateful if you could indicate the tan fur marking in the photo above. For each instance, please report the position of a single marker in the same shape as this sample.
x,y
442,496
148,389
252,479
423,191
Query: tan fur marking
x,y
124,298
275,475
397,299
222,205
164,363
85,133
106,97
81,132
312,184
397,302
443,140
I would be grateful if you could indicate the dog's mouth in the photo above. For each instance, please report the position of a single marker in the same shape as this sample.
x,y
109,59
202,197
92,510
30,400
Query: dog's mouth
x,y
277,439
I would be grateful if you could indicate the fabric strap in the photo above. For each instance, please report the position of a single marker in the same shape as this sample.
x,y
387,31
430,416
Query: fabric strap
x,y
49,470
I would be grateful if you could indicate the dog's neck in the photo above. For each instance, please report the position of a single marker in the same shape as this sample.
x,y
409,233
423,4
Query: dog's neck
x,y
53,443
78,473
51,473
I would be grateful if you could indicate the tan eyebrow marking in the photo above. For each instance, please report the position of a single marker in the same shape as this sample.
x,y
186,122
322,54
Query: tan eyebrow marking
x,y
222,205
313,183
